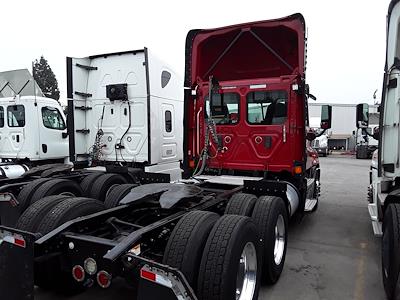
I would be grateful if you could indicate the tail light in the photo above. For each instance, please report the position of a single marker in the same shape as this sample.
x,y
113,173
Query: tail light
x,y
104,279
78,273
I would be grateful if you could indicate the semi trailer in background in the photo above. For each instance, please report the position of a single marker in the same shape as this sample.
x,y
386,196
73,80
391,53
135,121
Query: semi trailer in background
x,y
218,233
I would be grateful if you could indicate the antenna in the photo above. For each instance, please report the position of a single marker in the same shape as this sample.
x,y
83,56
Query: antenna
x,y
34,82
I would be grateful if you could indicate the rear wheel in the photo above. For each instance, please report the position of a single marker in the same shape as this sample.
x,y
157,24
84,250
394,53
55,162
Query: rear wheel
x,y
186,243
230,263
49,274
24,196
57,187
391,251
270,216
67,210
87,183
34,214
117,193
241,204
102,184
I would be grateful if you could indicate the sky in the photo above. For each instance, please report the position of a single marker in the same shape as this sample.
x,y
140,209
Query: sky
x,y
346,38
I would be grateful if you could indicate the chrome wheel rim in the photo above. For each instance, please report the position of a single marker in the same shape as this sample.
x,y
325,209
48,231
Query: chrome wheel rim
x,y
280,232
246,277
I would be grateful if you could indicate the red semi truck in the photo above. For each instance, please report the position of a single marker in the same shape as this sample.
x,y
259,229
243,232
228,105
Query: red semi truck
x,y
220,232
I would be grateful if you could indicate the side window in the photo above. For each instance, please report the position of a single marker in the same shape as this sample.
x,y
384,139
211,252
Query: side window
x,y
224,108
267,107
52,118
1,117
16,116
168,121
165,78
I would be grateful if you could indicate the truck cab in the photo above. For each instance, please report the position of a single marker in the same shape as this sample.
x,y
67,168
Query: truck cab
x,y
246,100
384,191
32,128
125,108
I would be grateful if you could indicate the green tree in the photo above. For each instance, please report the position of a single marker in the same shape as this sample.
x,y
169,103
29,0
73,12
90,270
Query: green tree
x,y
45,78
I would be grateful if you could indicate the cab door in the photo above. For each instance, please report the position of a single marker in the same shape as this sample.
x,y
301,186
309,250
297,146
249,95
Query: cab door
x,y
52,131
14,131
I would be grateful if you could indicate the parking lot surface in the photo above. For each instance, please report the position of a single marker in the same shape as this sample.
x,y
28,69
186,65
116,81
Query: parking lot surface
x,y
332,254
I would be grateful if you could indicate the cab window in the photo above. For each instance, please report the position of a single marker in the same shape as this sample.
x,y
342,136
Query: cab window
x,y
267,107
52,118
224,108
16,116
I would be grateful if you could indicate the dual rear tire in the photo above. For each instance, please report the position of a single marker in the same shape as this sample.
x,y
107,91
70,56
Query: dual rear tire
x,y
218,256
271,219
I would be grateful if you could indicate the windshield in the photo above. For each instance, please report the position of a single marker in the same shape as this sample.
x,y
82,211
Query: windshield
x,y
267,107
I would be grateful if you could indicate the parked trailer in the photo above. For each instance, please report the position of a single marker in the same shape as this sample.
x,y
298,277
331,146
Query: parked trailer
x,y
221,231
384,200
124,116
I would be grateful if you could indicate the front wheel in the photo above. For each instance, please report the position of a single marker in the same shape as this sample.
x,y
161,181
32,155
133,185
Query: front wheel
x,y
391,251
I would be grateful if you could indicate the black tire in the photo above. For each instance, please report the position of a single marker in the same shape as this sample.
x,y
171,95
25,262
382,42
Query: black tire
x,y
103,183
220,261
24,196
87,182
241,204
265,216
34,214
57,187
391,251
67,210
117,193
186,243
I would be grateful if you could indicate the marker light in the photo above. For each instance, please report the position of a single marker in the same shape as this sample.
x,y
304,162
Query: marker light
x,y
90,266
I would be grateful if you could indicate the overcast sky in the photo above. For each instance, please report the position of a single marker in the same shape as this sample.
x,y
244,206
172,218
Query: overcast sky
x,y
346,48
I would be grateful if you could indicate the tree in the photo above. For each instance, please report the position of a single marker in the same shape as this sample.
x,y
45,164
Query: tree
x,y
45,78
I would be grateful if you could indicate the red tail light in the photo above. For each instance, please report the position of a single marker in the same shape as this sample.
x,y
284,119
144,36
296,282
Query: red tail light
x,y
104,279
78,273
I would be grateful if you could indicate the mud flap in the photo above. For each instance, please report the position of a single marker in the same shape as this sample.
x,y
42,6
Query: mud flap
x,y
16,264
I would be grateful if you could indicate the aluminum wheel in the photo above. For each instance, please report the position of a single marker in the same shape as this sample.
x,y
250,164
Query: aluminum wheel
x,y
280,232
246,277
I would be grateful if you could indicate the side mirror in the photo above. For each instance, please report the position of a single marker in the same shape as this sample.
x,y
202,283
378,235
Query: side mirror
x,y
310,136
362,115
375,134
64,135
326,117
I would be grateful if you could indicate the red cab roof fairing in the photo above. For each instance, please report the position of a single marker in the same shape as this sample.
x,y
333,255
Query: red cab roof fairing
x,y
247,51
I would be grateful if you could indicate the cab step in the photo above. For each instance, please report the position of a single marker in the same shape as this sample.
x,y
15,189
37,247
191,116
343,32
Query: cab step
x,y
376,224
310,204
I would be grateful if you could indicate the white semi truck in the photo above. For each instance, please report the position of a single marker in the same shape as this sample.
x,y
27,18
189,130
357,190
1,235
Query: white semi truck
x,y
33,128
384,194
124,126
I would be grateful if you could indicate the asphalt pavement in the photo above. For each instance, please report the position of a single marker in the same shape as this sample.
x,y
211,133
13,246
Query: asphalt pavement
x,y
332,253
